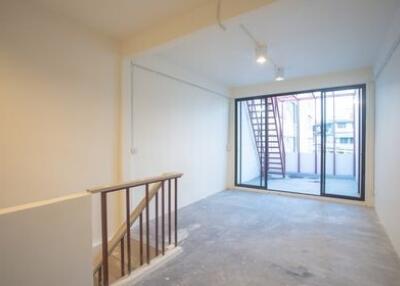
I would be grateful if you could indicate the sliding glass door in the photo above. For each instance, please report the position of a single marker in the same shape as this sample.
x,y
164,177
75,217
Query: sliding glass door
x,y
343,142
305,142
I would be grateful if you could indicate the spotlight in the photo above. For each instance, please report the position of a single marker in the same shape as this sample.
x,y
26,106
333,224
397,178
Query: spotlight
x,y
261,53
279,74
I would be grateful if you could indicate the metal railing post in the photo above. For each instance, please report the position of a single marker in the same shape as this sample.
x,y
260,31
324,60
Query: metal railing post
x,y
104,238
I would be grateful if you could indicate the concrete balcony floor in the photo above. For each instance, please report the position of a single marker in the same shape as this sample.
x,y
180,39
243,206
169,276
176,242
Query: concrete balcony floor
x,y
310,185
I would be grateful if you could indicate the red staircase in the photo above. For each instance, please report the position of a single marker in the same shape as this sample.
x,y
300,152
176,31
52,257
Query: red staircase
x,y
267,131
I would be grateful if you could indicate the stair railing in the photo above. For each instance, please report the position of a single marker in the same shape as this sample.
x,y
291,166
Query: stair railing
x,y
153,186
257,115
280,136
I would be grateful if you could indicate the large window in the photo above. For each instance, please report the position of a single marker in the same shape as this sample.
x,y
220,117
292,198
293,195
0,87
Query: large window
x,y
304,142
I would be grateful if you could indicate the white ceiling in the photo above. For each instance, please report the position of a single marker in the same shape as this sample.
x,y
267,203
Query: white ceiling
x,y
307,37
120,18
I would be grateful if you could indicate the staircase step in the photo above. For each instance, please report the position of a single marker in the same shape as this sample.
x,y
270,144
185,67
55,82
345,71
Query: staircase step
x,y
115,259
275,173
264,122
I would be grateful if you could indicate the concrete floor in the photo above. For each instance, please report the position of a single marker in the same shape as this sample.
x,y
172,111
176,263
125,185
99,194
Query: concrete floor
x,y
311,185
244,238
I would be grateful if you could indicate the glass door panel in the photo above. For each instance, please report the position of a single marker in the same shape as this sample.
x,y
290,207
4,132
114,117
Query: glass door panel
x,y
294,143
250,142
342,143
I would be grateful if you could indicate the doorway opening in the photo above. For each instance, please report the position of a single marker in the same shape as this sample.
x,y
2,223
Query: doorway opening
x,y
308,142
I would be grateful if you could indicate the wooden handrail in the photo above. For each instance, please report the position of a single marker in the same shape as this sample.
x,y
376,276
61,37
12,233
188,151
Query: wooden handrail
x,y
121,231
135,183
152,186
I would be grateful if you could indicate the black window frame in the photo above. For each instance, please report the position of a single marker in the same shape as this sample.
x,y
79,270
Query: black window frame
x,y
362,136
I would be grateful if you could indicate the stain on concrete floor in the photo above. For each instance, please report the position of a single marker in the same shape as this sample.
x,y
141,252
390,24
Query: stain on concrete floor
x,y
243,238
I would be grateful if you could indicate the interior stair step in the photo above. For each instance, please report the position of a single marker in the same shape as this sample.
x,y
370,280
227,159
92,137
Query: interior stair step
x,y
115,259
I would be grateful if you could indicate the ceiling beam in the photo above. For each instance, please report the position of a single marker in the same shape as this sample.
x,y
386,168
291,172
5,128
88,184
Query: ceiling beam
x,y
201,17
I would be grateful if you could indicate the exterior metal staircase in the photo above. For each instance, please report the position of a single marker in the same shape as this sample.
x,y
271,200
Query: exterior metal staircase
x,y
267,130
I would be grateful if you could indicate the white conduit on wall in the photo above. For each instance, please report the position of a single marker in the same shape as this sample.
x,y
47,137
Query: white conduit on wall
x,y
178,79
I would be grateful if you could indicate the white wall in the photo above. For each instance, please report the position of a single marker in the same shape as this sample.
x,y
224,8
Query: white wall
x,y
176,127
387,142
47,243
322,81
59,107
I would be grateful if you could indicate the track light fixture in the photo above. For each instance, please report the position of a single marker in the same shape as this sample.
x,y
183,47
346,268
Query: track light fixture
x,y
279,73
261,53
260,48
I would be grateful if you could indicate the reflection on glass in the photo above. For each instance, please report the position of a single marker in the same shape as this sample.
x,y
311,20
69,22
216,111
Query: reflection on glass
x,y
299,117
250,134
342,143
304,143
